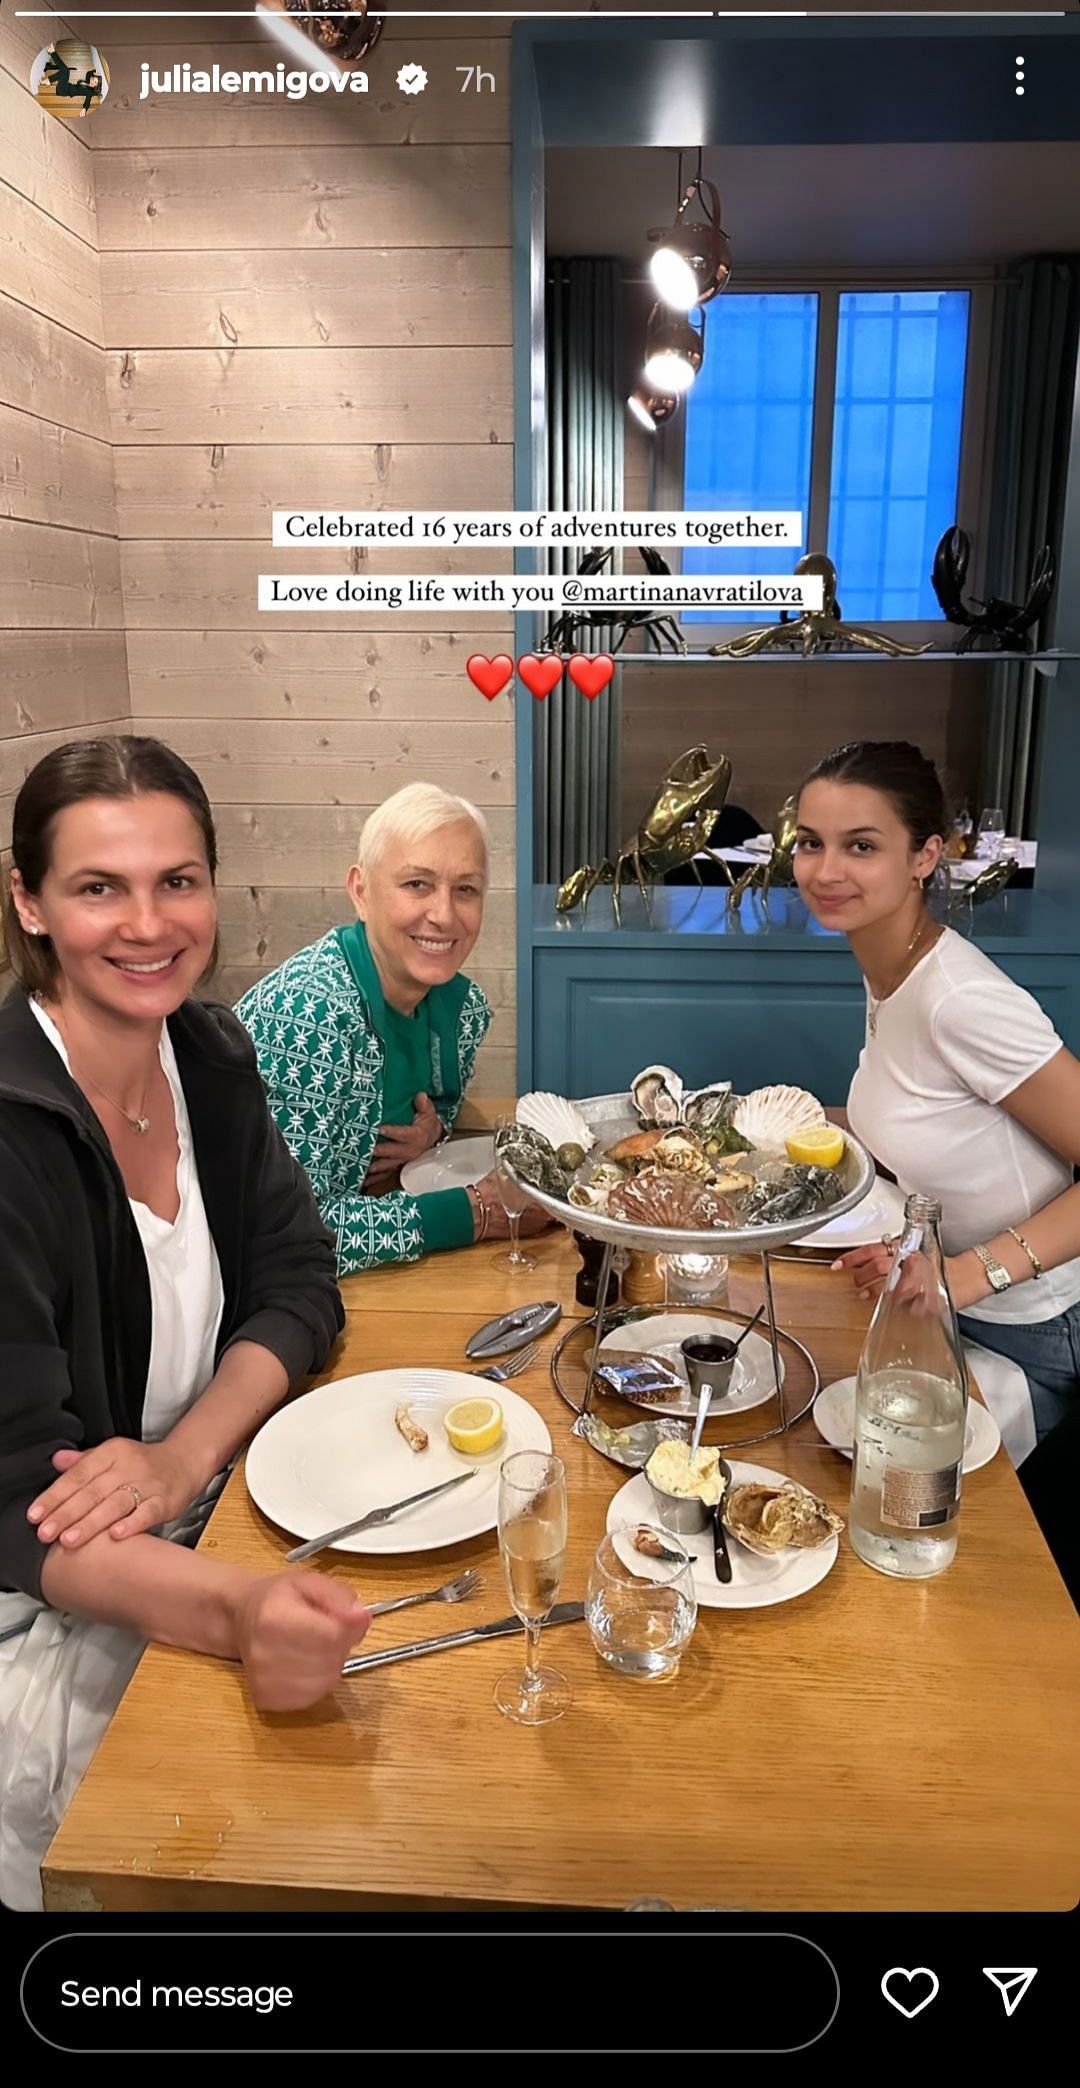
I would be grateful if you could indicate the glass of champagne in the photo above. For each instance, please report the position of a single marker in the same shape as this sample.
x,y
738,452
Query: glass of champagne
x,y
514,1200
991,833
532,1543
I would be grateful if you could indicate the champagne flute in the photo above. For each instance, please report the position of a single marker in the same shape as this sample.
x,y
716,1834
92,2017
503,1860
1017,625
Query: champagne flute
x,y
532,1544
991,833
514,1200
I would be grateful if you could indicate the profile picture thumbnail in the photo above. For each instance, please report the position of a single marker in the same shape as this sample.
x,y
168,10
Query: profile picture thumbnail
x,y
69,78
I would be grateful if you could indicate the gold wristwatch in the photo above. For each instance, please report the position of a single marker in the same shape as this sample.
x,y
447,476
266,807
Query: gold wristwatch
x,y
999,1277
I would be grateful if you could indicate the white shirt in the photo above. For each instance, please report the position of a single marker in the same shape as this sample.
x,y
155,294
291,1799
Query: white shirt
x,y
186,1294
952,1042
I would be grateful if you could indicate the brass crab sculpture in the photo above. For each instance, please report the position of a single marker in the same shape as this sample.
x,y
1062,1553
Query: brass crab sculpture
x,y
777,868
814,630
675,829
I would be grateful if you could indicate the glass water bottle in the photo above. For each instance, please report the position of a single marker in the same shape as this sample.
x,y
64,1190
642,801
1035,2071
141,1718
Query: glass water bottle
x,y
910,1412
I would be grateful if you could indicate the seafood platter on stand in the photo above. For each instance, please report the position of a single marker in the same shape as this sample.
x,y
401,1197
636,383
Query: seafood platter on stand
x,y
668,1170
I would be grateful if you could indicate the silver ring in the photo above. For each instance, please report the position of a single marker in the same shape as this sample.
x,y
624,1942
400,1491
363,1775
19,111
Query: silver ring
x,y
127,1487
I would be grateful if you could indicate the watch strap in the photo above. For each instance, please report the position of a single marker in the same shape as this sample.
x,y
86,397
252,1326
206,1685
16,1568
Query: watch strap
x,y
999,1277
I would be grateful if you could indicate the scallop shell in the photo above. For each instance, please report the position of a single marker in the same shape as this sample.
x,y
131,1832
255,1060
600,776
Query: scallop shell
x,y
556,1120
768,1519
657,1095
673,1202
770,1115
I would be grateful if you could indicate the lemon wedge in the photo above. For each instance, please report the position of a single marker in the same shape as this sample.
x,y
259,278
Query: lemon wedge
x,y
817,1145
474,1425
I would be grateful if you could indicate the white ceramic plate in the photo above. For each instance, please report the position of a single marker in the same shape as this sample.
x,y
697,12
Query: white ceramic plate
x,y
454,1165
882,1211
752,1381
834,1414
755,1583
330,1456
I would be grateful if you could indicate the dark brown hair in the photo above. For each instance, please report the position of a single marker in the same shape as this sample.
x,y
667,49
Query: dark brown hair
x,y
901,772
118,767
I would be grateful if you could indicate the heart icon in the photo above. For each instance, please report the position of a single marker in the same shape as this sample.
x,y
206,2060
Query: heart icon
x,y
591,672
906,1981
489,676
540,676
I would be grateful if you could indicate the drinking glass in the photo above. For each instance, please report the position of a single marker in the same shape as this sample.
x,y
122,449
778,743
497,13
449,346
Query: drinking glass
x,y
532,1544
641,1618
991,833
514,1201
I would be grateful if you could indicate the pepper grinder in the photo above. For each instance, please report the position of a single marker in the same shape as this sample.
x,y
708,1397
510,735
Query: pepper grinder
x,y
587,1284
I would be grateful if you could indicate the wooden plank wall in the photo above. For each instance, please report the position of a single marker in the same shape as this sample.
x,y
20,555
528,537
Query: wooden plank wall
x,y
64,669
308,305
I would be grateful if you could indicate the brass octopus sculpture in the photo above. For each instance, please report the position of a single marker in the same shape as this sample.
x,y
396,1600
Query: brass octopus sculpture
x,y
814,630
675,829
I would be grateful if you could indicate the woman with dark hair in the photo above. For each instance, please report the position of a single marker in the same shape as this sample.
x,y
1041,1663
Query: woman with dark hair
x,y
165,1277
963,1089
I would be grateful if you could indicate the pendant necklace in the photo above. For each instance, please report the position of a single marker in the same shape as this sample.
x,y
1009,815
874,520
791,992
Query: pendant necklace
x,y
139,1123
872,1014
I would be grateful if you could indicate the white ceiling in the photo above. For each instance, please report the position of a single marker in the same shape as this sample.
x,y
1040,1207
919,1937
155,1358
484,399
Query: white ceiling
x,y
830,206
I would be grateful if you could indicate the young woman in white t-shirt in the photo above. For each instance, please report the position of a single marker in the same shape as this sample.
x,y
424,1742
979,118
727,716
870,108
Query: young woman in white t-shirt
x,y
963,1090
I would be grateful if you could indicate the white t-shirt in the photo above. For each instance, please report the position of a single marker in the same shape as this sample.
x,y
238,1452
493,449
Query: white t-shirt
x,y
952,1042
186,1294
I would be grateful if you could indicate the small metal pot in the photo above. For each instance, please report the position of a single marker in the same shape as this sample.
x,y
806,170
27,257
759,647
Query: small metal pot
x,y
709,1360
683,1514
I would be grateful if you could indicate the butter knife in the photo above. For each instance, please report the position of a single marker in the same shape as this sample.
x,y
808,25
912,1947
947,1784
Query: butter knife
x,y
372,1518
563,1613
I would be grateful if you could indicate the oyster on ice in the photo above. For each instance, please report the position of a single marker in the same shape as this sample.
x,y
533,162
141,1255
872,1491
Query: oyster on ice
x,y
707,1109
768,1519
556,1119
532,1157
657,1095
770,1115
783,1192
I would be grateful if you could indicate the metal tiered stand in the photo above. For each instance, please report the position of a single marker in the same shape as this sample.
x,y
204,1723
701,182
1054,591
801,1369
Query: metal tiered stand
x,y
611,1117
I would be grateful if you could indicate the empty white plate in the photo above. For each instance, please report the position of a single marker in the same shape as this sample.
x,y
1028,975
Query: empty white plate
x,y
328,1458
456,1164
834,1413
752,1380
756,1583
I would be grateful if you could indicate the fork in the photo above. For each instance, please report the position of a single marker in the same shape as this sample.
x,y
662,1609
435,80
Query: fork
x,y
457,1590
500,1372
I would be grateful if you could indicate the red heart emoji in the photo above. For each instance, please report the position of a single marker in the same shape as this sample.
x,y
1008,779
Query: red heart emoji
x,y
591,672
540,676
489,676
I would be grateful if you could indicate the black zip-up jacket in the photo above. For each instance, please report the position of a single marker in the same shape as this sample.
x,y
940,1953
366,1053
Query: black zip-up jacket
x,y
74,1288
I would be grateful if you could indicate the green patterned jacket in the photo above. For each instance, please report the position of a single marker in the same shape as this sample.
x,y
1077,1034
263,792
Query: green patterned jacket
x,y
315,1023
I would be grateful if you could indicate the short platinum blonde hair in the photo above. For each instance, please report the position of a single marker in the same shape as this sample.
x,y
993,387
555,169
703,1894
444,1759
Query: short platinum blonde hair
x,y
414,812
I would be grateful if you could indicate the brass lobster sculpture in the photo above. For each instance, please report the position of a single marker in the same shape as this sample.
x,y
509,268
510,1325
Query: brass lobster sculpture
x,y
814,630
675,829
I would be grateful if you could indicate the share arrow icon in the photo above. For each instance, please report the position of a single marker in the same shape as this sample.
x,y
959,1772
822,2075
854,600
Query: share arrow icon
x,y
1012,1983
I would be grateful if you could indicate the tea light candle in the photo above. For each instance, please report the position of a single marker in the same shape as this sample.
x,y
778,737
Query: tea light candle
x,y
697,1276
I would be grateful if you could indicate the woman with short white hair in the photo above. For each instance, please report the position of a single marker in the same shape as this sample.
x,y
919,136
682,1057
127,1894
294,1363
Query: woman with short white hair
x,y
367,1039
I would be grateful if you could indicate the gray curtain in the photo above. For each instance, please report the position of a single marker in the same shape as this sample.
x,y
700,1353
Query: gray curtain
x,y
576,743
1038,348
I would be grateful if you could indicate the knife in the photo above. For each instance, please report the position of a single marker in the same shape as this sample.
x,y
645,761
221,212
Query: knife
x,y
563,1613
374,1516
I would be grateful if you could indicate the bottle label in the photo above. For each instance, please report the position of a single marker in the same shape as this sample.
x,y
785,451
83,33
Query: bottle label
x,y
919,1500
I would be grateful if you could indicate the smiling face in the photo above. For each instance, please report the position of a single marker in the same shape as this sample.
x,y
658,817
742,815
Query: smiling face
x,y
128,904
855,863
422,904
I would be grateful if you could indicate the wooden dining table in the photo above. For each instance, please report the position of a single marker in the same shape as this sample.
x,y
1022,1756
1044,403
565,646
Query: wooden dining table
x,y
876,1744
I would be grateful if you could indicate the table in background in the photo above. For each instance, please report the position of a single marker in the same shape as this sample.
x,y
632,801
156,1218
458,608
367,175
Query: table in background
x,y
876,1744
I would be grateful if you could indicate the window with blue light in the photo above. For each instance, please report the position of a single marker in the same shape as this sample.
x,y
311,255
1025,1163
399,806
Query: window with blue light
x,y
749,425
900,371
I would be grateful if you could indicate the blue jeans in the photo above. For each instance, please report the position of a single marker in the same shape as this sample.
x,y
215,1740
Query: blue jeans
x,y
1047,1351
